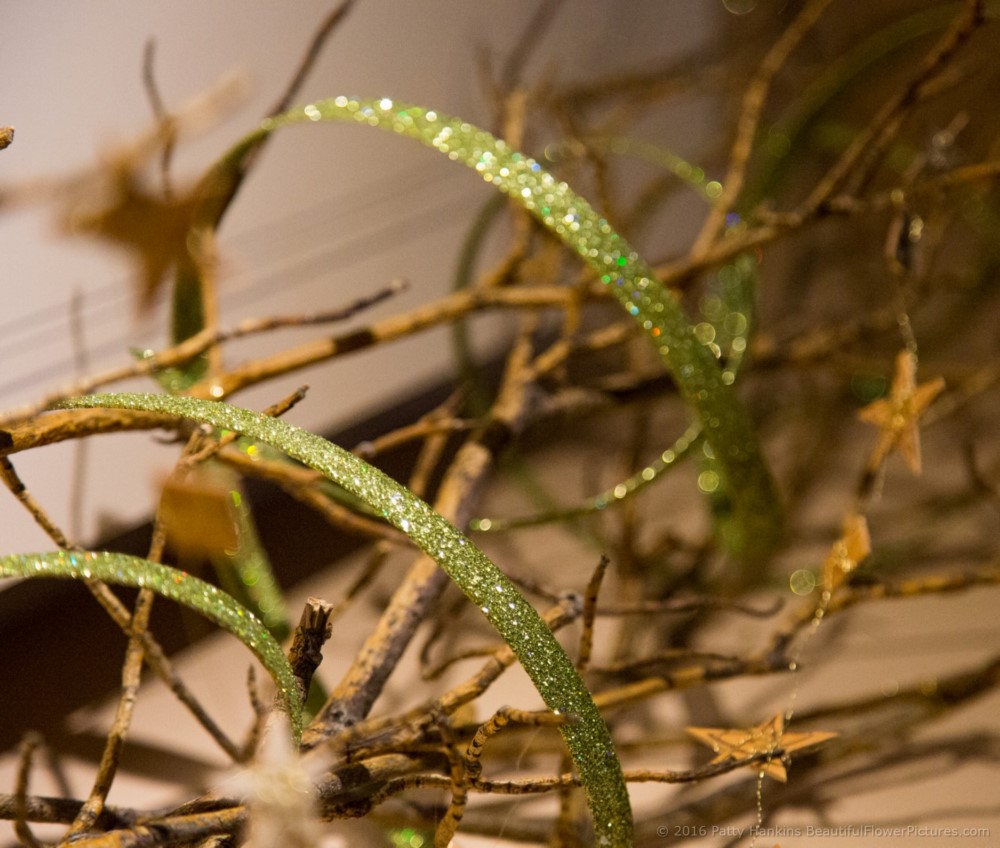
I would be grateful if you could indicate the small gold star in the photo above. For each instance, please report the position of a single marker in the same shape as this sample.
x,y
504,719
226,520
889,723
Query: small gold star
x,y
847,552
896,416
767,738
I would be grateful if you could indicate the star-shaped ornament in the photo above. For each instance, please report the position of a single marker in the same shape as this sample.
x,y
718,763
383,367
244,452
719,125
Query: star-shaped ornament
x,y
161,230
896,416
767,738
154,228
847,552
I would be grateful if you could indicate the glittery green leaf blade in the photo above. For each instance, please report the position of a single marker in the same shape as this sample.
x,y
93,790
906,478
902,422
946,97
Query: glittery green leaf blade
x,y
737,278
176,585
541,656
631,280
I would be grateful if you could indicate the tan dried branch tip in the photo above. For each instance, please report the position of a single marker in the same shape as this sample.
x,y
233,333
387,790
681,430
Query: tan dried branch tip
x,y
897,415
762,739
849,551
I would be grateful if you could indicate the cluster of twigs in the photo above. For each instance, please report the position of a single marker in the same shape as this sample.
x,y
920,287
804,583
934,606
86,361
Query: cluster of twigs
x,y
897,215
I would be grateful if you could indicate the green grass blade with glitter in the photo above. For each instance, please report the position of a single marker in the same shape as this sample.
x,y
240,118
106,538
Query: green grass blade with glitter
x,y
179,586
728,318
757,516
476,398
689,174
541,656
737,284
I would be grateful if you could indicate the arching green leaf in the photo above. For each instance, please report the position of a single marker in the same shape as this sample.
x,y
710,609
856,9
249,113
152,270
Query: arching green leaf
x,y
541,656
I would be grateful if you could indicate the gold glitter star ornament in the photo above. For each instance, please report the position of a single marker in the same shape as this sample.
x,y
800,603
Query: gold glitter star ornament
x,y
896,416
768,738
155,230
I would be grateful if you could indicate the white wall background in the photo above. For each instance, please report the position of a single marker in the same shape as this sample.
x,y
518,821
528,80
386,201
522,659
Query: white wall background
x,y
331,212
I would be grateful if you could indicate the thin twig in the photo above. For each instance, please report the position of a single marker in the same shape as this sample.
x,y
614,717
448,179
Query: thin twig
x,y
473,766
682,605
305,485
260,716
429,425
589,613
194,346
306,63
29,744
750,114
131,676
376,560
275,410
46,810
430,671
168,126
851,595
443,311
531,36
17,488
163,668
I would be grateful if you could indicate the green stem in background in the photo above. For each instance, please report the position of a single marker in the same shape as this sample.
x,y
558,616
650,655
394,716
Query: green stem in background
x,y
541,656
245,572
179,586
477,398
756,528
689,174
616,494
